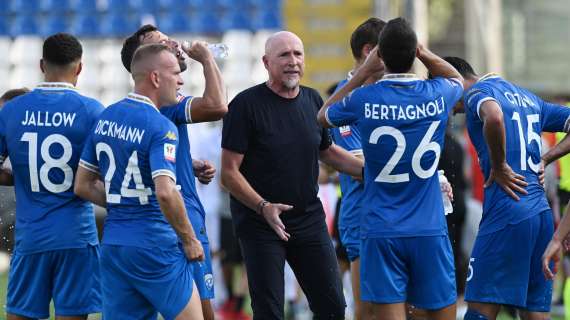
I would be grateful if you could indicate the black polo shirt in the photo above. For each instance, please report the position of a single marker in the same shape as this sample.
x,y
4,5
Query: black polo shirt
x,y
280,140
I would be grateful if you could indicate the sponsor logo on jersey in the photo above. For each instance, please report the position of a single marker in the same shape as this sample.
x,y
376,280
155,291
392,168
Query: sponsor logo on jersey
x,y
171,135
345,131
170,152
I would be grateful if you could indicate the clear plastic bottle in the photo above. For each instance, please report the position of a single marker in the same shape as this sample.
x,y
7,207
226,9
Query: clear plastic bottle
x,y
447,206
219,50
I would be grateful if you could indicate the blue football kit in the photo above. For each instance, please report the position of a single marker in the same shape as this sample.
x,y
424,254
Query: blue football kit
x,y
180,115
348,138
405,252
505,264
57,250
143,269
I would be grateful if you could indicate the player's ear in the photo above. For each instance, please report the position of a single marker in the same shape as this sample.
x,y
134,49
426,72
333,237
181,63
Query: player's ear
x,y
79,68
154,78
42,66
366,50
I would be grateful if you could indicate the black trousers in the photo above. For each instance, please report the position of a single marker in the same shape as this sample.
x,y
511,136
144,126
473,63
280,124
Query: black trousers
x,y
314,263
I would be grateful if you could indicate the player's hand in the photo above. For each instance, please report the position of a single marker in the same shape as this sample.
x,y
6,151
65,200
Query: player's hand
x,y
552,253
541,172
204,170
447,189
373,64
199,51
507,179
194,250
271,213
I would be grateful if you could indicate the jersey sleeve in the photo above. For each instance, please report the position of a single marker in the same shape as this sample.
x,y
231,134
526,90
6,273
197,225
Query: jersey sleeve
x,y
346,111
88,158
475,98
450,88
348,138
555,118
180,112
163,146
3,145
238,128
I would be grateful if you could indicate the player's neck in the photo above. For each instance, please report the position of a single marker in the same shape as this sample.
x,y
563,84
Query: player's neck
x,y
153,96
60,78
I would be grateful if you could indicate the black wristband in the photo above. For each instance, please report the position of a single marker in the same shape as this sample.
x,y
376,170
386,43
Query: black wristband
x,y
260,205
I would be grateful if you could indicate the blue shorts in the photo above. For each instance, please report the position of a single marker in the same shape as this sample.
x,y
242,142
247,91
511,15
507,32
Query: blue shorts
x,y
203,275
505,266
69,276
138,283
350,239
417,270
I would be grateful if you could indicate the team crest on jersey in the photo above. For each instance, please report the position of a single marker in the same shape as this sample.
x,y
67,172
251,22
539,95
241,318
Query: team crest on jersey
x,y
171,135
345,131
209,281
170,152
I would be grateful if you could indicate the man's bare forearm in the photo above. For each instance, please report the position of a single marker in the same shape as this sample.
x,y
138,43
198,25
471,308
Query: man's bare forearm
x,y
240,189
214,105
6,177
172,206
342,161
559,150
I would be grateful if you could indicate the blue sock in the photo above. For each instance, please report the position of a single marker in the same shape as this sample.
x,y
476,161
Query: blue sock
x,y
473,315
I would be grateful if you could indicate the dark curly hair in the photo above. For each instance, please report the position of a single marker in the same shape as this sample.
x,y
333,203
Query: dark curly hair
x,y
61,49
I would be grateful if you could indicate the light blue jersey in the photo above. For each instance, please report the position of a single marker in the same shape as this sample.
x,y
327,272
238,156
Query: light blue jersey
x,y
131,144
43,133
402,122
525,117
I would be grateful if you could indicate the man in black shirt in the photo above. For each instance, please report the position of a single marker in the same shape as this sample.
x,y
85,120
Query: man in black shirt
x,y
271,147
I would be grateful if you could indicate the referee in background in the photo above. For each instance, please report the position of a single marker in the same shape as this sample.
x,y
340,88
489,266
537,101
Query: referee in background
x,y
271,147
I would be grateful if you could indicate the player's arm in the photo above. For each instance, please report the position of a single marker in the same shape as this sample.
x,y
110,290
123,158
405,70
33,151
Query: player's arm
x,y
234,181
436,66
342,160
89,186
6,177
172,206
554,248
213,104
494,132
372,65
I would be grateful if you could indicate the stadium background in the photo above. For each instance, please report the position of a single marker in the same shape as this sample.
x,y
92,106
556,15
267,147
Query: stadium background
x,y
526,41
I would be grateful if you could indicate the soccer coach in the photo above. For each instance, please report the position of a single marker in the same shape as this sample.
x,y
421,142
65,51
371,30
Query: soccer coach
x,y
271,148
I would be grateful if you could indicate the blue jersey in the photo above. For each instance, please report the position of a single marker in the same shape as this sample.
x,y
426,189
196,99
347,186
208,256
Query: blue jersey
x,y
43,133
348,138
525,116
131,144
180,115
402,122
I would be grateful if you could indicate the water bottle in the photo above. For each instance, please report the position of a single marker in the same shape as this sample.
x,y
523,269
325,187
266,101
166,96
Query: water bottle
x,y
219,50
447,206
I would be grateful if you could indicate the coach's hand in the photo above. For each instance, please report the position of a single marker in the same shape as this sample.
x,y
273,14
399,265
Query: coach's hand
x,y
199,51
204,170
507,179
552,253
271,213
194,250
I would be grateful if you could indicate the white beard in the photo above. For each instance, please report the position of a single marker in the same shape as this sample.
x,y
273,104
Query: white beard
x,y
291,83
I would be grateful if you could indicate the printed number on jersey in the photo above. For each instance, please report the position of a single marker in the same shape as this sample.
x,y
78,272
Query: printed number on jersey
x,y
50,162
531,136
132,173
425,146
